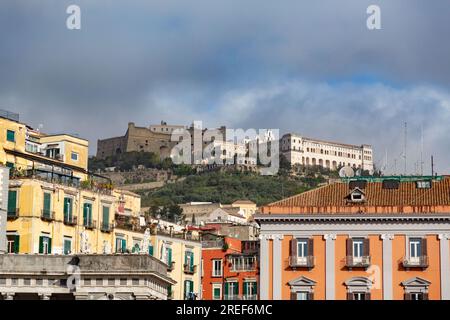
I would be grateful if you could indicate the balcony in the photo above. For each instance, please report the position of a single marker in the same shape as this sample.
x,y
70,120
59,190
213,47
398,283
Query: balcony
x,y
171,265
90,224
240,297
188,269
415,262
47,215
107,227
70,221
302,262
13,214
357,262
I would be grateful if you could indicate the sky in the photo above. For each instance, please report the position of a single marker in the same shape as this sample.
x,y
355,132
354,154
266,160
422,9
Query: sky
x,y
310,67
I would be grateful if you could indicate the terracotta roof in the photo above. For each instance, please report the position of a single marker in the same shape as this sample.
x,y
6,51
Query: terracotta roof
x,y
334,197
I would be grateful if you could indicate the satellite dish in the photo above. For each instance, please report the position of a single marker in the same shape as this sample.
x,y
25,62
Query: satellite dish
x,y
346,172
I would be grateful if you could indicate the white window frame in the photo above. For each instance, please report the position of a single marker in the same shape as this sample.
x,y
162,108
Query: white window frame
x,y
417,244
76,154
215,272
358,248
302,248
214,287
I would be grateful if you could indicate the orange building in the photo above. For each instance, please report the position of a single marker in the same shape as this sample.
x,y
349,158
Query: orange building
x,y
361,239
229,268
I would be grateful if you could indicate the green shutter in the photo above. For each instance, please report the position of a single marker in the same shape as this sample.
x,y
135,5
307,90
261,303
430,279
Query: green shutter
x,y
12,202
10,136
169,255
85,214
124,245
150,250
185,289
47,203
41,244
67,246
246,288
16,243
192,260
105,220
49,245
236,288
255,288
226,288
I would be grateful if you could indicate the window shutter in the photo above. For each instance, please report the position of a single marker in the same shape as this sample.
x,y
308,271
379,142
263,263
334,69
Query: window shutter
x,y
192,260
310,295
185,289
150,250
293,295
169,255
367,296
245,288
226,288
12,201
349,245
424,247
41,244
47,204
85,214
366,249
255,288
407,296
66,209
124,245
49,245
349,294
311,247
236,288
294,247
16,243
425,296
105,216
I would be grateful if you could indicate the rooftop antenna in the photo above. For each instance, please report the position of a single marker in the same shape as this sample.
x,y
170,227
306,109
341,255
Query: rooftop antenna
x,y
421,150
405,146
432,166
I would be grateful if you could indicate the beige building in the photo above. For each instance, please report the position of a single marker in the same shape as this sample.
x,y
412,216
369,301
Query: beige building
x,y
312,152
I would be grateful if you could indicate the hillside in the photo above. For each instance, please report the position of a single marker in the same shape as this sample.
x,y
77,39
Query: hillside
x,y
228,187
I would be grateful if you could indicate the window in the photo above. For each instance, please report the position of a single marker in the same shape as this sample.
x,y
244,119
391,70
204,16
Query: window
x,y
217,291
357,248
250,290
415,249
217,268
242,263
47,204
45,245
68,208
87,214
302,248
359,296
189,260
74,156
13,243
10,136
168,256
302,296
188,290
12,203
67,245
150,250
358,288
121,245
231,290
417,296
105,218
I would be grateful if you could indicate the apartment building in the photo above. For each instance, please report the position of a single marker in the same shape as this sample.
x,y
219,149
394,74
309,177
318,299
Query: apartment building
x,y
182,252
313,152
230,268
4,185
54,205
364,239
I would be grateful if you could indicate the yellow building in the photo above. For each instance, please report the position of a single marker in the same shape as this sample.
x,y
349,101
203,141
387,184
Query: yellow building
x,y
54,204
183,254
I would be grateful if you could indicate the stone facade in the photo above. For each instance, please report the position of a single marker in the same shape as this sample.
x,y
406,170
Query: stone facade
x,y
309,152
137,139
83,277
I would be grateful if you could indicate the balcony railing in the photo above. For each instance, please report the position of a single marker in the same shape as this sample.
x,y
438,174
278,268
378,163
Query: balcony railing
x,y
107,227
415,262
47,215
187,268
13,214
90,224
171,265
240,297
301,262
243,267
70,221
357,262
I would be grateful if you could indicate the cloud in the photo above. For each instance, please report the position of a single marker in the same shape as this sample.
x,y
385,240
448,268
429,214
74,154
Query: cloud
x,y
305,66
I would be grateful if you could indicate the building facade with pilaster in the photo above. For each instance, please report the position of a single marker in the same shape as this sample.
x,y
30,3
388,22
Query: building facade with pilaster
x,y
364,239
